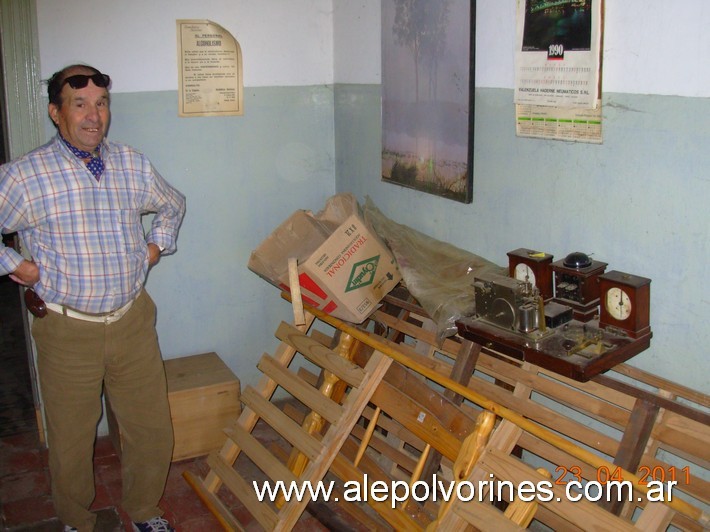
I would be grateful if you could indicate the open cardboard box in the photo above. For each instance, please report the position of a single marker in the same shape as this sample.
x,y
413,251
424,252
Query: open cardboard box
x,y
344,269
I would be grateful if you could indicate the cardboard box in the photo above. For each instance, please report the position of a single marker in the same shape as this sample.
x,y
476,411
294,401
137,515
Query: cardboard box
x,y
204,397
344,268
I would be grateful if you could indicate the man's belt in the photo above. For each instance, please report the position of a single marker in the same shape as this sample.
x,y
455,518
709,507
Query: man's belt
x,y
106,317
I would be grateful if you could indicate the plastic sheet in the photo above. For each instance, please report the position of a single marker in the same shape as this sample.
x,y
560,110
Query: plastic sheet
x,y
439,275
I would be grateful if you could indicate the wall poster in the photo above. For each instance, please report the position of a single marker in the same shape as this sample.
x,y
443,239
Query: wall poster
x,y
558,69
428,52
209,70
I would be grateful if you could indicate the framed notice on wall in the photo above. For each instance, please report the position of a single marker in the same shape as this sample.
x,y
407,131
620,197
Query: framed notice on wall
x,y
209,70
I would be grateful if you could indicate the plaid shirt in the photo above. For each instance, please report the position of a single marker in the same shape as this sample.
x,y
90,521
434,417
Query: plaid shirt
x,y
86,236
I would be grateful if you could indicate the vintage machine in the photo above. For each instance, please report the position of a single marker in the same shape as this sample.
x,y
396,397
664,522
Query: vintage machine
x,y
533,266
576,284
594,321
516,305
625,303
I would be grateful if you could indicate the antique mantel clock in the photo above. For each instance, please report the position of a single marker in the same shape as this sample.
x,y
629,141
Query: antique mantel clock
x,y
533,267
576,284
625,303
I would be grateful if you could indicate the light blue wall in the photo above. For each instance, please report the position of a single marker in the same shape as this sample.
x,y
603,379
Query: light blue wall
x,y
640,201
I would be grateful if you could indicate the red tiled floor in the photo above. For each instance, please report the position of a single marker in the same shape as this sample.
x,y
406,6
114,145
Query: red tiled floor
x,y
25,486
25,489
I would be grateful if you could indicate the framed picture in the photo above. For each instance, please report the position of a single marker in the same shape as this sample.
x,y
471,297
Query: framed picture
x,y
428,66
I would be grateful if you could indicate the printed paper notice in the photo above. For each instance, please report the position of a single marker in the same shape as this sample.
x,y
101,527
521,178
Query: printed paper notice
x,y
209,70
558,53
557,123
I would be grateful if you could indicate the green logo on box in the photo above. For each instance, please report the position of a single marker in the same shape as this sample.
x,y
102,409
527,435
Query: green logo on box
x,y
363,273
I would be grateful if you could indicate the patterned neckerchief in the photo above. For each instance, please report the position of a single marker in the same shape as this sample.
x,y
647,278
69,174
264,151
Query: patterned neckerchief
x,y
93,160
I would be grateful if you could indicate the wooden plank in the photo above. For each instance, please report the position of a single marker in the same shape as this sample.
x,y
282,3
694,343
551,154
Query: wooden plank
x,y
453,418
308,395
695,486
398,518
417,419
581,512
655,516
597,407
299,317
461,372
380,444
545,416
685,434
248,418
261,457
676,389
483,517
281,423
218,509
633,444
662,402
448,347
320,355
243,491
337,433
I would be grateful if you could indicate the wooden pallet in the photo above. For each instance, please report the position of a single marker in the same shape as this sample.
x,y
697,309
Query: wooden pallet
x,y
574,427
320,450
422,414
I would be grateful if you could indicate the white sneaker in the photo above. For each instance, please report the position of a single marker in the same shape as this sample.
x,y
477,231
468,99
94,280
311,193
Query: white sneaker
x,y
157,524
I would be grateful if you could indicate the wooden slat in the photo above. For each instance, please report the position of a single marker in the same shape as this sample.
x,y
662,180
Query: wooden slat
x,y
261,457
417,419
571,396
483,517
582,513
248,418
695,486
685,434
676,389
655,516
218,509
281,423
321,355
546,417
344,469
663,402
633,443
380,444
337,433
243,491
308,395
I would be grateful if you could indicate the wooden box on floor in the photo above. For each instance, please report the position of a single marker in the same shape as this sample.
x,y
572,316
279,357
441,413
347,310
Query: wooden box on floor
x,y
204,397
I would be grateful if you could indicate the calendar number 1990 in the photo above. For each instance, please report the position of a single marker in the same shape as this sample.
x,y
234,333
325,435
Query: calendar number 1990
x,y
556,51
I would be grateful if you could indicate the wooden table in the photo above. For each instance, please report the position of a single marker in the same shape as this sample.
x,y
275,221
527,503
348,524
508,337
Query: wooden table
x,y
576,350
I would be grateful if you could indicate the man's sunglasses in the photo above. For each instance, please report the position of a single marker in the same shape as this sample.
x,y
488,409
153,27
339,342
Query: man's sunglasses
x,y
79,81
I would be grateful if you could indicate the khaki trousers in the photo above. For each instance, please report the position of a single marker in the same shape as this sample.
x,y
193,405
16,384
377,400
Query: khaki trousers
x,y
76,361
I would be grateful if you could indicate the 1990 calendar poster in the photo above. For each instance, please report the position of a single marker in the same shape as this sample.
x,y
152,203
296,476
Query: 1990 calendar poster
x,y
558,53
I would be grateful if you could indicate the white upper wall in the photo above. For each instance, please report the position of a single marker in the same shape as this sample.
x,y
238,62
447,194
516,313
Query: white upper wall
x,y
284,42
650,46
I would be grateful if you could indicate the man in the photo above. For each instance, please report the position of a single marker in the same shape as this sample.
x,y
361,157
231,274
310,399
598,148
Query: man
x,y
76,203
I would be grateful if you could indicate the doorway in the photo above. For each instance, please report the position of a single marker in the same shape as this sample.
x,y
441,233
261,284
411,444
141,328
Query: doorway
x,y
17,405
20,131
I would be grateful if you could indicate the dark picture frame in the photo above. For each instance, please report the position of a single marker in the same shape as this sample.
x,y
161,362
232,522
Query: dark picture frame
x,y
428,87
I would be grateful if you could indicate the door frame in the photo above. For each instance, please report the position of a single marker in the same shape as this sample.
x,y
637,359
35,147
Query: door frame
x,y
22,105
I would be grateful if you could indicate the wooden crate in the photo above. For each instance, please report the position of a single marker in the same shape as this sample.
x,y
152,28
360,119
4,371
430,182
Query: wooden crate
x,y
204,396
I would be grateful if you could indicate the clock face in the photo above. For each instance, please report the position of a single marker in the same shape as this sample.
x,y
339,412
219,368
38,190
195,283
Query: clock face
x,y
618,303
523,272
